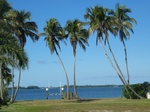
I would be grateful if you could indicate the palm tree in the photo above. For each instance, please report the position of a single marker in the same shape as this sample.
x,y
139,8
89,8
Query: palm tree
x,y
77,35
124,25
54,33
102,23
21,27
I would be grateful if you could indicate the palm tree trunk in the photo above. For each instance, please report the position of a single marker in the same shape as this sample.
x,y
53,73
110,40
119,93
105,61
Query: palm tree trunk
x,y
17,89
122,73
115,61
68,90
1,83
126,60
120,76
75,91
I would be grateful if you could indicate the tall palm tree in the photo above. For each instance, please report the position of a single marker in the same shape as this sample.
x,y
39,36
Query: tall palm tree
x,y
77,35
21,27
124,25
54,33
102,23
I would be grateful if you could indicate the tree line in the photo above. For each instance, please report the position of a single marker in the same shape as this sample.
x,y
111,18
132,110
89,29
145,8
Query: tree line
x,y
16,26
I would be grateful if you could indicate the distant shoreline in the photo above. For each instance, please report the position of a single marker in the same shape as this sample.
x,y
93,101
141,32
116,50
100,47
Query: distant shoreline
x,y
71,86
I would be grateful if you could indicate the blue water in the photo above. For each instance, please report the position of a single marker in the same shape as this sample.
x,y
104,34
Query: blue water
x,y
54,93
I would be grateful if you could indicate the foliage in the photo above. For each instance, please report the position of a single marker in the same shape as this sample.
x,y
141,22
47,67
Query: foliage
x,y
141,89
6,95
149,88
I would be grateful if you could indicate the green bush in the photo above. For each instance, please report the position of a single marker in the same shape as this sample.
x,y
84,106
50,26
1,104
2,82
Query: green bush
x,y
6,97
149,88
141,89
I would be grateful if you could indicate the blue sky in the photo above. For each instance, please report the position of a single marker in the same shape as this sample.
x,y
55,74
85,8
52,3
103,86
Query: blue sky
x,y
93,67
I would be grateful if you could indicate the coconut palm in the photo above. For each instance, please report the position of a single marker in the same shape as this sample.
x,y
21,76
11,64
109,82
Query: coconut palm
x,y
77,35
21,27
102,23
124,25
54,33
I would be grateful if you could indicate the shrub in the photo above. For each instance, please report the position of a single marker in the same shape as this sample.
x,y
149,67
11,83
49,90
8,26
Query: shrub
x,y
6,97
141,89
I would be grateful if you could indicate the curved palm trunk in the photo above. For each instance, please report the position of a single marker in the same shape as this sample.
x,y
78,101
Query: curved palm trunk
x,y
75,90
126,60
122,73
120,76
115,61
68,90
17,89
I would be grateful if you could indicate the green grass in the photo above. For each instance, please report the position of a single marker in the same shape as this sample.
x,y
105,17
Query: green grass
x,y
87,105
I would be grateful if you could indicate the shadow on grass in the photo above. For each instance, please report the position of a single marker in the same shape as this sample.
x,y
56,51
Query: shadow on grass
x,y
80,100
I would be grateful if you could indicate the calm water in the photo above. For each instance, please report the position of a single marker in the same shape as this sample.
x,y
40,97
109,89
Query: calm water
x,y
54,93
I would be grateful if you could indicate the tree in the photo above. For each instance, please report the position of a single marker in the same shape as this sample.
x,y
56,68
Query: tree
x,y
102,23
54,33
141,89
21,27
123,26
77,35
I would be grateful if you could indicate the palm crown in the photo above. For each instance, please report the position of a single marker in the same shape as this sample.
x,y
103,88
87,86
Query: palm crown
x,y
22,27
77,34
53,34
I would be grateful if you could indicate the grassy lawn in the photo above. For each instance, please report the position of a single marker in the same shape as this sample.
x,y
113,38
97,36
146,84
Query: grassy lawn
x,y
89,105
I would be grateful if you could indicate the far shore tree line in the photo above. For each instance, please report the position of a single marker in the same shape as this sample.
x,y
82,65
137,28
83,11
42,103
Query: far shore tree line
x,y
16,26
